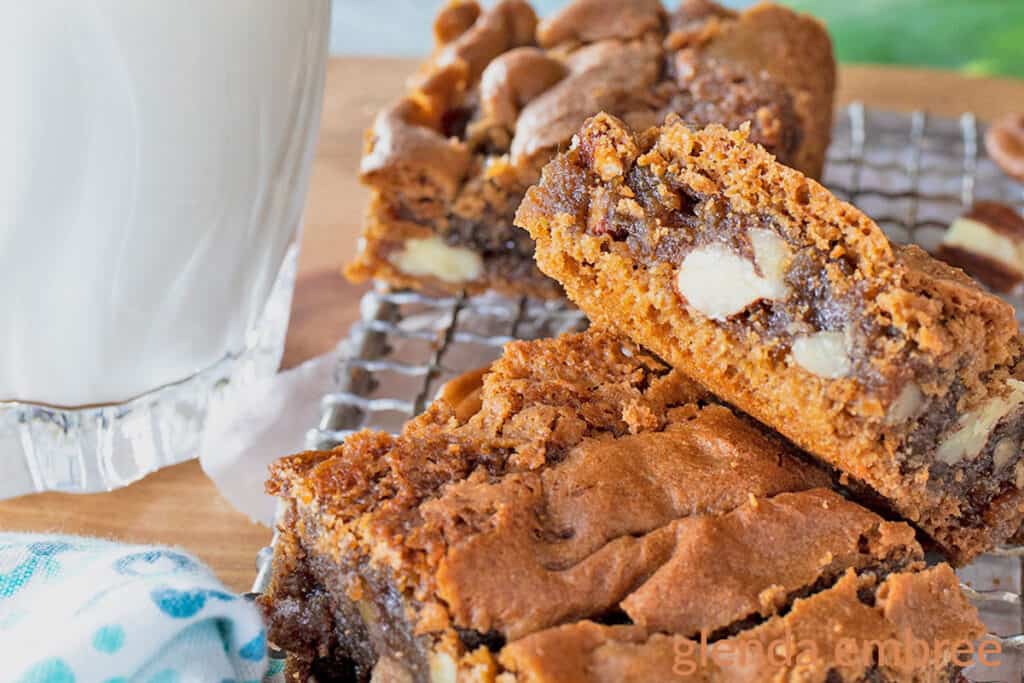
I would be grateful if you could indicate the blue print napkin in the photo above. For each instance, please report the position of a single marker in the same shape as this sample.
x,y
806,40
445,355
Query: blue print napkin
x,y
75,610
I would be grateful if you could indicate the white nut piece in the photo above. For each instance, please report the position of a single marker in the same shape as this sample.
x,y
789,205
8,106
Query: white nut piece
x,y
389,670
772,255
907,405
823,354
972,430
976,237
718,282
431,256
1004,452
442,668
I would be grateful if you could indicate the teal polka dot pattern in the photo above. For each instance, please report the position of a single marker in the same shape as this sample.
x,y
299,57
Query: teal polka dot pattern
x,y
185,604
165,676
255,649
52,670
137,614
109,639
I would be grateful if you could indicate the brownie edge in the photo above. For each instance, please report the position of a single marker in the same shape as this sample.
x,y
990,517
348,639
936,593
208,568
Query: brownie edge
x,y
574,514
792,305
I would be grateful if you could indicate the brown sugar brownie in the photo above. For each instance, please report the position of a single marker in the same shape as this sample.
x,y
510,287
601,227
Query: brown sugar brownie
x,y
581,495
988,243
858,629
782,300
448,164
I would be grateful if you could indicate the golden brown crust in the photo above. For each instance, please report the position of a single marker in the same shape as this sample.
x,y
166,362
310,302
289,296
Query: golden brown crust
x,y
594,548
829,635
803,539
585,481
906,317
588,21
454,19
795,50
502,93
571,400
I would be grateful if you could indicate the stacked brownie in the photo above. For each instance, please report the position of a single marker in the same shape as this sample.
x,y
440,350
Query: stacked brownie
x,y
791,305
589,514
449,163
631,504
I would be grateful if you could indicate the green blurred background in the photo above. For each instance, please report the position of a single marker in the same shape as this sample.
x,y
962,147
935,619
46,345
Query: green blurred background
x,y
984,37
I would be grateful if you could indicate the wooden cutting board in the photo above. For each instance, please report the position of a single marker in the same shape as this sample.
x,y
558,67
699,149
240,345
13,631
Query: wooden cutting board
x,y
179,505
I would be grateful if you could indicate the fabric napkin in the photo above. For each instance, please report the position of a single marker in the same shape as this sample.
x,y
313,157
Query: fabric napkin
x,y
75,610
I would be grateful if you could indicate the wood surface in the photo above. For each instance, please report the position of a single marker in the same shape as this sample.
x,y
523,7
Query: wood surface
x,y
179,505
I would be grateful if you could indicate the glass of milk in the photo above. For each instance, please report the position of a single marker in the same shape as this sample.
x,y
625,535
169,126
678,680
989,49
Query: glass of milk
x,y
148,233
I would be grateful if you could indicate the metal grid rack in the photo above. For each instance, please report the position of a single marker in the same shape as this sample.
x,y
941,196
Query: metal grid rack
x,y
407,345
912,173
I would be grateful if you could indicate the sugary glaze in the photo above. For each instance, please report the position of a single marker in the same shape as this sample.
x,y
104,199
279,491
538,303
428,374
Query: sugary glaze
x,y
791,305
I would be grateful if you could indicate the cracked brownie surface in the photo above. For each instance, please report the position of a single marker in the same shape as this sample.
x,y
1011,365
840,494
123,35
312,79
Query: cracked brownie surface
x,y
449,163
583,512
849,619
793,306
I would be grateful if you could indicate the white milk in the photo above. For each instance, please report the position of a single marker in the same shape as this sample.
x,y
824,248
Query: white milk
x,y
160,152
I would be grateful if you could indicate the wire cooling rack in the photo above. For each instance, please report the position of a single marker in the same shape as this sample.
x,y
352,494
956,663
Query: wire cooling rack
x,y
912,173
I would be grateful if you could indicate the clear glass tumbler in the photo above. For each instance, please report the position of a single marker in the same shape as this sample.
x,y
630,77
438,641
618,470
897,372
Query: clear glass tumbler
x,y
161,157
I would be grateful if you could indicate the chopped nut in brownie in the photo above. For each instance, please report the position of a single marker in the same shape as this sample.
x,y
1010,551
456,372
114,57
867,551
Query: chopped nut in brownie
x,y
448,164
755,281
988,243
584,513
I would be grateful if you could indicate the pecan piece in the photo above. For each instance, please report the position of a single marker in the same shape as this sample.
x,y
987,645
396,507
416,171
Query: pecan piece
x,y
1004,141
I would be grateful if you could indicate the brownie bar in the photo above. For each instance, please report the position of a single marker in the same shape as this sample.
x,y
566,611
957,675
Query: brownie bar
x,y
988,243
448,164
791,305
832,636
577,515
